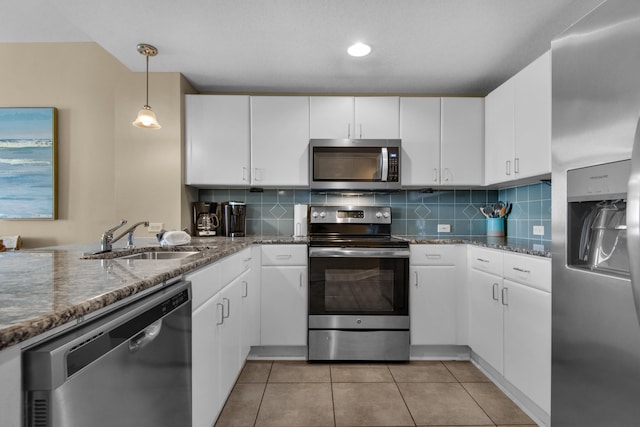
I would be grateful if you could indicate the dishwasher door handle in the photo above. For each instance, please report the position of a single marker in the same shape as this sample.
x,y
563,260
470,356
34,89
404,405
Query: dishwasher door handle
x,y
145,337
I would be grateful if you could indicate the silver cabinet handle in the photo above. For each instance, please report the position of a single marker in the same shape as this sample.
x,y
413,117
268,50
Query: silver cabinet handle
x,y
360,130
494,291
257,175
521,270
446,174
435,174
245,289
301,276
516,165
228,308
221,311
505,296
482,260
348,130
416,273
434,256
508,164
244,174
283,256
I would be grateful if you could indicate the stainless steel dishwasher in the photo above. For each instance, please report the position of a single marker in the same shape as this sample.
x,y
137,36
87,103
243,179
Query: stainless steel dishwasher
x,y
131,367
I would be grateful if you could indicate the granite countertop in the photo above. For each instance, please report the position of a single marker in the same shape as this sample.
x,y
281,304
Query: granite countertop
x,y
50,289
44,289
522,246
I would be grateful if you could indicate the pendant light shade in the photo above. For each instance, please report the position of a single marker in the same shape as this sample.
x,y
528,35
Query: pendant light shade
x,y
146,117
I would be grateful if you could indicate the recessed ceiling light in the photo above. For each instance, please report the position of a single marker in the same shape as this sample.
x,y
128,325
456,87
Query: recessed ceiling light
x,y
359,49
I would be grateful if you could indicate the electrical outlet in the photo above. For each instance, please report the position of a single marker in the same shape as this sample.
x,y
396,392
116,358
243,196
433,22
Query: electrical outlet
x,y
538,230
444,228
538,247
154,227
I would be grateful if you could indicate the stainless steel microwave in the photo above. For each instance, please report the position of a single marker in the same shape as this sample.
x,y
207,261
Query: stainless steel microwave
x,y
354,164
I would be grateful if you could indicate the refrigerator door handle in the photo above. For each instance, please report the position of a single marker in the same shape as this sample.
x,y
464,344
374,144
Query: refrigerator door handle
x,y
633,220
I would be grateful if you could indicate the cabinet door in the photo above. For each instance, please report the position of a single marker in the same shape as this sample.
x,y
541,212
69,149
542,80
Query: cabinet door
x,y
485,318
230,335
217,134
10,391
499,134
250,313
207,400
420,133
462,143
527,341
283,311
533,119
280,140
331,117
377,117
433,305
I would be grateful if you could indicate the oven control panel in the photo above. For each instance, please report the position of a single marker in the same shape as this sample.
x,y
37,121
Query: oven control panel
x,y
350,214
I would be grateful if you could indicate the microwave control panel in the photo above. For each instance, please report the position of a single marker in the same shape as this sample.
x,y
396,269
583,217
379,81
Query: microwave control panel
x,y
394,164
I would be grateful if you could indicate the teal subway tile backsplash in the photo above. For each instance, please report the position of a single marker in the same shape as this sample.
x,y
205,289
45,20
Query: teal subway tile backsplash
x,y
414,213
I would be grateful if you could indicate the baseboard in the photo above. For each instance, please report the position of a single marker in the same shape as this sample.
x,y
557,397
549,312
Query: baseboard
x,y
440,352
535,412
278,352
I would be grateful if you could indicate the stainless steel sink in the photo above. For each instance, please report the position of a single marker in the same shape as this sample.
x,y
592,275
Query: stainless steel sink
x,y
155,255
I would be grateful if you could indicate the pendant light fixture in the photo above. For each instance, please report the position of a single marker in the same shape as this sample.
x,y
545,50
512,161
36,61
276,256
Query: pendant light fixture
x,y
146,117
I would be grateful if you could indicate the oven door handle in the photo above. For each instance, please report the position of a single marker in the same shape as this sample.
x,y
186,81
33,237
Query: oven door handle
x,y
358,252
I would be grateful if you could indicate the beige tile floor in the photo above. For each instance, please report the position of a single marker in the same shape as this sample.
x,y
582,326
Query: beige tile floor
x,y
300,394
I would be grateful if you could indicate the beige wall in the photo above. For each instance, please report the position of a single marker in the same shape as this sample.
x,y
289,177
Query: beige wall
x,y
107,169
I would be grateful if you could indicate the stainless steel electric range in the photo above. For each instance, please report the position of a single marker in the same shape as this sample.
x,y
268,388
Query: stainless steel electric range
x,y
358,285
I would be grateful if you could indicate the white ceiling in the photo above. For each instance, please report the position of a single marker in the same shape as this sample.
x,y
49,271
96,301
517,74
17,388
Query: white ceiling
x,y
419,46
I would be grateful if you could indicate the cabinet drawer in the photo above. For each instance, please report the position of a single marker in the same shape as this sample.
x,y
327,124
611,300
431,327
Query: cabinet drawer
x,y
234,265
487,260
284,255
205,283
528,270
434,255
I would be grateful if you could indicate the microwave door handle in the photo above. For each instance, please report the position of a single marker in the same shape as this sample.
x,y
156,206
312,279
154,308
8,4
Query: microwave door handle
x,y
385,164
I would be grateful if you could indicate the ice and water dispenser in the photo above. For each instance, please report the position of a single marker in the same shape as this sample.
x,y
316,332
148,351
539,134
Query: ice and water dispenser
x,y
597,221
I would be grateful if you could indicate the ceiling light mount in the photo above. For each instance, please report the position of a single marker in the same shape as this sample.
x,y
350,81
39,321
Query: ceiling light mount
x,y
146,117
359,49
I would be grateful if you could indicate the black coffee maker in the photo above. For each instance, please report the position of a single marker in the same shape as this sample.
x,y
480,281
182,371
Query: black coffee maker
x,y
204,219
233,218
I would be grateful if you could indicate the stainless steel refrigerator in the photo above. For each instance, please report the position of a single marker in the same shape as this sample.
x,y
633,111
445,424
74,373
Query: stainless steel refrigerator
x,y
596,217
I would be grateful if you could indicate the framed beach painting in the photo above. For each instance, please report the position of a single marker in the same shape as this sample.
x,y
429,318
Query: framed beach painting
x,y
28,163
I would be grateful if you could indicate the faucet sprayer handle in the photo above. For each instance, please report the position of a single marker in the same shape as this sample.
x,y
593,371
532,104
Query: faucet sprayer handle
x,y
111,230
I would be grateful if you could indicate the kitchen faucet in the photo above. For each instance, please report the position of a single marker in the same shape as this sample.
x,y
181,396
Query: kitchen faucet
x,y
107,239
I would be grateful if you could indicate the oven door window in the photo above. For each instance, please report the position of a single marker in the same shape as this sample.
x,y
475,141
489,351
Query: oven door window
x,y
376,286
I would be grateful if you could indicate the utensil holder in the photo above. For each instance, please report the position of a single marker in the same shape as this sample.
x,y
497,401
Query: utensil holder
x,y
495,227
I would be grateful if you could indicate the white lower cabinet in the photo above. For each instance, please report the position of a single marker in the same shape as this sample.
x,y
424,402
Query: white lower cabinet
x,y
486,336
437,295
217,333
11,380
205,362
283,311
510,319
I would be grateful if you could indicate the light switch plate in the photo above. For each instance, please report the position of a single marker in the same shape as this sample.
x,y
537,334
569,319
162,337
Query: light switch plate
x,y
444,228
154,227
538,230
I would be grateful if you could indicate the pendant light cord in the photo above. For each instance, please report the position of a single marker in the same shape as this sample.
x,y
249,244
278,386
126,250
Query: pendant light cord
x,y
147,103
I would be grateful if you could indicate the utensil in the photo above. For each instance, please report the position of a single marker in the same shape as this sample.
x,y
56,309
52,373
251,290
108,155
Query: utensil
x,y
484,212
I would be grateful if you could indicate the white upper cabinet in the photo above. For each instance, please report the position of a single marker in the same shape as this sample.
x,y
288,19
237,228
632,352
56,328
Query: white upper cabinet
x,y
499,134
518,125
533,119
280,140
462,141
331,117
356,118
217,140
377,117
420,134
